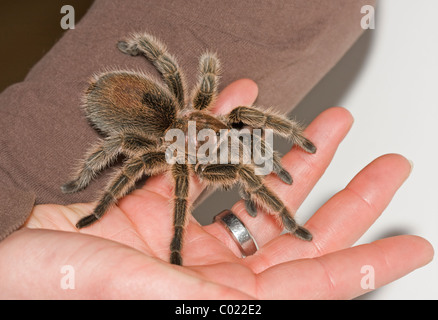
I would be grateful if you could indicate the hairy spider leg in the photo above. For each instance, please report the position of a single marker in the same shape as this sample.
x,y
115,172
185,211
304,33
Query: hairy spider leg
x,y
133,169
206,90
102,155
281,125
156,52
229,174
180,173
260,147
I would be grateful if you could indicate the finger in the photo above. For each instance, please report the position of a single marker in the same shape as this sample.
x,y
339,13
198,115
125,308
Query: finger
x,y
240,92
350,213
341,221
326,131
347,273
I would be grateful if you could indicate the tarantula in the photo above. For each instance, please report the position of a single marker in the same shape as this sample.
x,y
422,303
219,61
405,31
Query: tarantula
x,y
135,111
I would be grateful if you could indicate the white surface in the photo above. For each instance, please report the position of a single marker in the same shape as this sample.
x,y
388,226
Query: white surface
x,y
393,71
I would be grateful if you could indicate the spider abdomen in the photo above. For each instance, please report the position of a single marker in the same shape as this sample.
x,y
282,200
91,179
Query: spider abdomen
x,y
121,100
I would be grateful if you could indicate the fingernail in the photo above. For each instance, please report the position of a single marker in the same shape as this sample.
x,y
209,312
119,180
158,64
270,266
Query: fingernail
x,y
412,165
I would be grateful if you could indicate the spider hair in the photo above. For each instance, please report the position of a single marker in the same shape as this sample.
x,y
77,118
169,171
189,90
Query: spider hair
x,y
134,112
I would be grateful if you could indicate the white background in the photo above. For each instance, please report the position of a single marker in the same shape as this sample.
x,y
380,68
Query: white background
x,y
388,81
393,95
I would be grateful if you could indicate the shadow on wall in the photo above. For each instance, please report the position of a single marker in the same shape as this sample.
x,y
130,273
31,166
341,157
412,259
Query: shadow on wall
x,y
327,93
330,90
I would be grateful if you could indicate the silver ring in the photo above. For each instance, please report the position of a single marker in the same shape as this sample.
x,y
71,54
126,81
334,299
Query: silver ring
x,y
238,231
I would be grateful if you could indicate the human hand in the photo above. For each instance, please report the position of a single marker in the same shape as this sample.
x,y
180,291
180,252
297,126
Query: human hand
x,y
125,254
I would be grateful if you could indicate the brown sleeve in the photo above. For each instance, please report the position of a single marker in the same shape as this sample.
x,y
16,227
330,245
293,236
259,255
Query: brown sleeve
x,y
285,46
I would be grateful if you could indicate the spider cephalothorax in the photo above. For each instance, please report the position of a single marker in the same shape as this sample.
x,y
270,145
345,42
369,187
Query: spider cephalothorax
x,y
135,112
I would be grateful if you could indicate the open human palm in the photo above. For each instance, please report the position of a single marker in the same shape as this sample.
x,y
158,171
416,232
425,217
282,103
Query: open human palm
x,y
125,254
